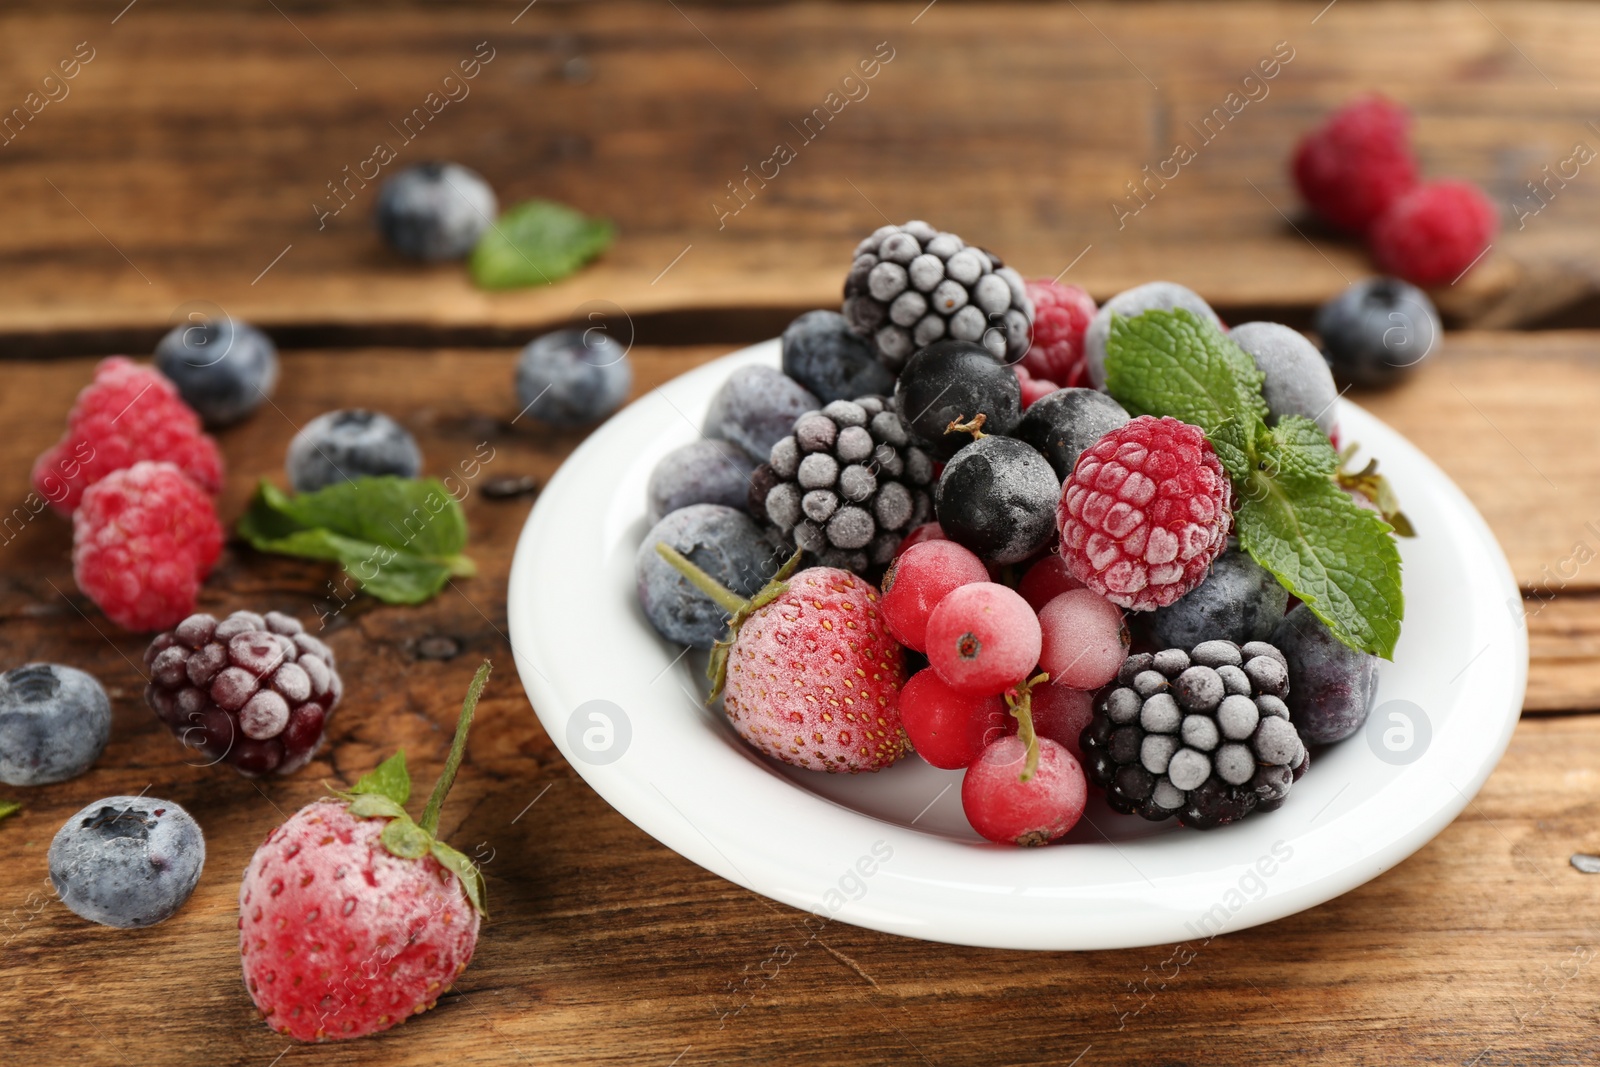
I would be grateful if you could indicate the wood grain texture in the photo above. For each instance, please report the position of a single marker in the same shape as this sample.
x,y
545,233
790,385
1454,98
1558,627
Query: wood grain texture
x,y
605,947
191,149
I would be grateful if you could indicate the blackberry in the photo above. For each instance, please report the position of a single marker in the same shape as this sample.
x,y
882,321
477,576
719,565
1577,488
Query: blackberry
x,y
253,691
912,285
1201,734
847,484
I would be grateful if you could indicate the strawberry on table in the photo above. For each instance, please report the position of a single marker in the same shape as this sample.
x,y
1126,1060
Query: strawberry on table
x,y
352,917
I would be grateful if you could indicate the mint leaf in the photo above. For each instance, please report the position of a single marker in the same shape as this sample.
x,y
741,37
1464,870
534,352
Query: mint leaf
x,y
1330,552
538,242
1290,515
400,538
1298,449
1176,363
388,779
9,807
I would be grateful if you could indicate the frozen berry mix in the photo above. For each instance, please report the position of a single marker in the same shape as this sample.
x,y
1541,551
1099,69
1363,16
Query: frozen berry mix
x,y
1133,476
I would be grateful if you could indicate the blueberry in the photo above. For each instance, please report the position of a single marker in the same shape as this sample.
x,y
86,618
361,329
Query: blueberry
x,y
1152,296
572,378
1067,421
1374,332
956,380
223,368
727,545
997,497
54,723
435,211
1331,685
1239,601
1298,381
822,354
127,861
756,408
700,472
343,445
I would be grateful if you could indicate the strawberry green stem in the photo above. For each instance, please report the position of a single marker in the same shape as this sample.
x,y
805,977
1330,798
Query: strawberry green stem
x,y
1020,701
458,749
726,599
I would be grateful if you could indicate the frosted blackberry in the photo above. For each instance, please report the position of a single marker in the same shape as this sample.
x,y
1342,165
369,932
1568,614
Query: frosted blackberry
x,y
1201,734
847,484
253,691
912,285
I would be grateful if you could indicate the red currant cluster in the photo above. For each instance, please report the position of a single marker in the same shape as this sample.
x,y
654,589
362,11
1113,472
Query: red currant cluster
x,y
1010,681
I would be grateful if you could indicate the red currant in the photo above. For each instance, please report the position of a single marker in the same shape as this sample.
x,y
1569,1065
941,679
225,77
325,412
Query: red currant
x,y
1084,639
1060,714
1004,806
1045,581
928,531
982,638
917,581
947,728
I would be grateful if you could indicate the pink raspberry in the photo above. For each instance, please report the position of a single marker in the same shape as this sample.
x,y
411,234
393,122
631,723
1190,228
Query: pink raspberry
x,y
1357,163
127,414
142,539
1145,513
1061,314
1435,232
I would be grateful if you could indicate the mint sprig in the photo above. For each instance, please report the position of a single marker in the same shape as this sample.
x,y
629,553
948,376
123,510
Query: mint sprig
x,y
401,539
1289,514
538,242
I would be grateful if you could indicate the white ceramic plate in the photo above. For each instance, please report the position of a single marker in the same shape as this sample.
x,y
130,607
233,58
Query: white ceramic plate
x,y
892,851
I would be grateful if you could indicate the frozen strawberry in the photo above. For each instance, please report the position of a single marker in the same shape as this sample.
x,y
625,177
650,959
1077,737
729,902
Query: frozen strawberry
x,y
809,673
352,917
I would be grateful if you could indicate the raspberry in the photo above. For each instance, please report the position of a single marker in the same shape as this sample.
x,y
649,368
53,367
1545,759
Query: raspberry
x,y
1435,232
813,677
1061,314
1357,163
983,639
127,414
1145,513
254,690
918,580
142,539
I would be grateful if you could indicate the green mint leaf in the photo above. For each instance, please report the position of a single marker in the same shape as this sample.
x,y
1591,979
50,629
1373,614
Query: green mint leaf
x,y
1336,556
9,807
1176,363
466,870
406,839
538,242
401,539
1296,449
388,779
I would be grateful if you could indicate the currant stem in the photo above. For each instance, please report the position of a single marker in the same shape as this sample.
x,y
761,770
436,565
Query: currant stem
x,y
975,427
458,749
1020,701
725,598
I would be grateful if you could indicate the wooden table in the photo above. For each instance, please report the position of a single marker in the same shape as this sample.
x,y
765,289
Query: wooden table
x,y
186,159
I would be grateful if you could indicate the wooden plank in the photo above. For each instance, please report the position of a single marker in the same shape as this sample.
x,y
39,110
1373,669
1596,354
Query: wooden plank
x,y
192,147
597,951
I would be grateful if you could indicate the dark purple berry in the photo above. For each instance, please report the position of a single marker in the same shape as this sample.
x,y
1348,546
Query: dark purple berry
x,y
956,381
1331,686
822,353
